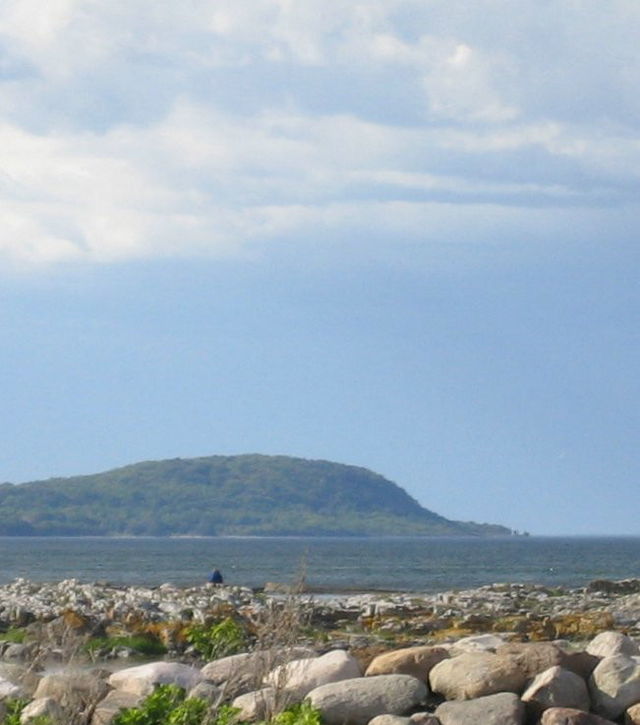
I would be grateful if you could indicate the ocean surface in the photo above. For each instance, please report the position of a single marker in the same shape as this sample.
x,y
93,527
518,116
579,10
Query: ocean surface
x,y
331,565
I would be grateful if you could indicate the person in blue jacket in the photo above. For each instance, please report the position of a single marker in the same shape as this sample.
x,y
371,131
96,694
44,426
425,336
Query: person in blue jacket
x,y
215,577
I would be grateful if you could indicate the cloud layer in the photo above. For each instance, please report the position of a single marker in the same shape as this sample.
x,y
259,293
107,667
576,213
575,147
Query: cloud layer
x,y
134,129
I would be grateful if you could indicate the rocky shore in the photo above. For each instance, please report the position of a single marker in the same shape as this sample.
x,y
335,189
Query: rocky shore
x,y
503,654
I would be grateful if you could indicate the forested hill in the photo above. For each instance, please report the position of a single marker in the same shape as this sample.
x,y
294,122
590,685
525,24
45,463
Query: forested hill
x,y
223,495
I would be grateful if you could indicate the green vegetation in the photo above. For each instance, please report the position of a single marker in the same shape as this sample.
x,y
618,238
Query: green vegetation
x,y
218,640
223,495
15,635
14,711
142,644
168,705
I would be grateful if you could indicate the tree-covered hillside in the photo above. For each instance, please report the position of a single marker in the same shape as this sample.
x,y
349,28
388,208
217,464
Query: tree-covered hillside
x,y
223,495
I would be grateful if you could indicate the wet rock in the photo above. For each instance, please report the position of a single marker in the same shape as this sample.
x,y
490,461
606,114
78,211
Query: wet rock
x,y
357,701
476,674
503,708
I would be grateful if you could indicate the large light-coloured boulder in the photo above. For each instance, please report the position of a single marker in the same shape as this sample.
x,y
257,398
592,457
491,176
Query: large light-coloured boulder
x,y
257,705
477,643
108,709
414,661
245,672
9,690
355,702
476,674
632,715
44,708
389,720
72,690
608,644
302,676
615,685
569,716
503,708
536,657
142,680
557,687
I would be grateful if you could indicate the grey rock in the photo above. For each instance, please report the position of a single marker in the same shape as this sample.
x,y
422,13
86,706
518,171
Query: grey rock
x,y
207,691
615,685
569,716
607,644
476,674
355,702
503,708
141,680
256,705
43,708
557,687
72,690
414,661
108,709
302,676
389,720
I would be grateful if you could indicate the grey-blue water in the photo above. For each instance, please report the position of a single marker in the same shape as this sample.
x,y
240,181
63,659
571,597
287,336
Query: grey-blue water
x,y
336,564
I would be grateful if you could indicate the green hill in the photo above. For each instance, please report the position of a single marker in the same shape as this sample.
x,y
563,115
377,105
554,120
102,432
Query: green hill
x,y
223,495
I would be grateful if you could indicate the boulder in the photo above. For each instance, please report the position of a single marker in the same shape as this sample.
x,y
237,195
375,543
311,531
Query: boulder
x,y
206,691
302,676
608,644
476,674
73,691
503,708
389,720
245,672
477,643
536,657
414,661
355,702
108,709
9,690
632,715
615,685
423,718
141,680
44,708
569,716
256,705
557,687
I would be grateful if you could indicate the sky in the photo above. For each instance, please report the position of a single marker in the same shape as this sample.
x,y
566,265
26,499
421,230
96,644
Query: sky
x,y
399,234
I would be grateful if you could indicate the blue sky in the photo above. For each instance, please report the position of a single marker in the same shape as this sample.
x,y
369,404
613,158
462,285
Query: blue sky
x,y
397,234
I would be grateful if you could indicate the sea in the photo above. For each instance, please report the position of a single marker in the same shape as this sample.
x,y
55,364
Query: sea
x,y
326,565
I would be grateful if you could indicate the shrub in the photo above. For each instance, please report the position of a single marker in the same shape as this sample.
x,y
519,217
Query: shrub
x,y
144,644
166,705
219,640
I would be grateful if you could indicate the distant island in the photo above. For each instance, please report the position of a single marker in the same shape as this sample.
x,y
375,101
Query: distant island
x,y
224,496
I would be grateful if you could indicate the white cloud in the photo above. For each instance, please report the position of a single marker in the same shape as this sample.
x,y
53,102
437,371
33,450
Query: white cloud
x,y
135,129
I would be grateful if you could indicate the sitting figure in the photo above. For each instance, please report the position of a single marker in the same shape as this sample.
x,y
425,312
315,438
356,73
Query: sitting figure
x,y
215,577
